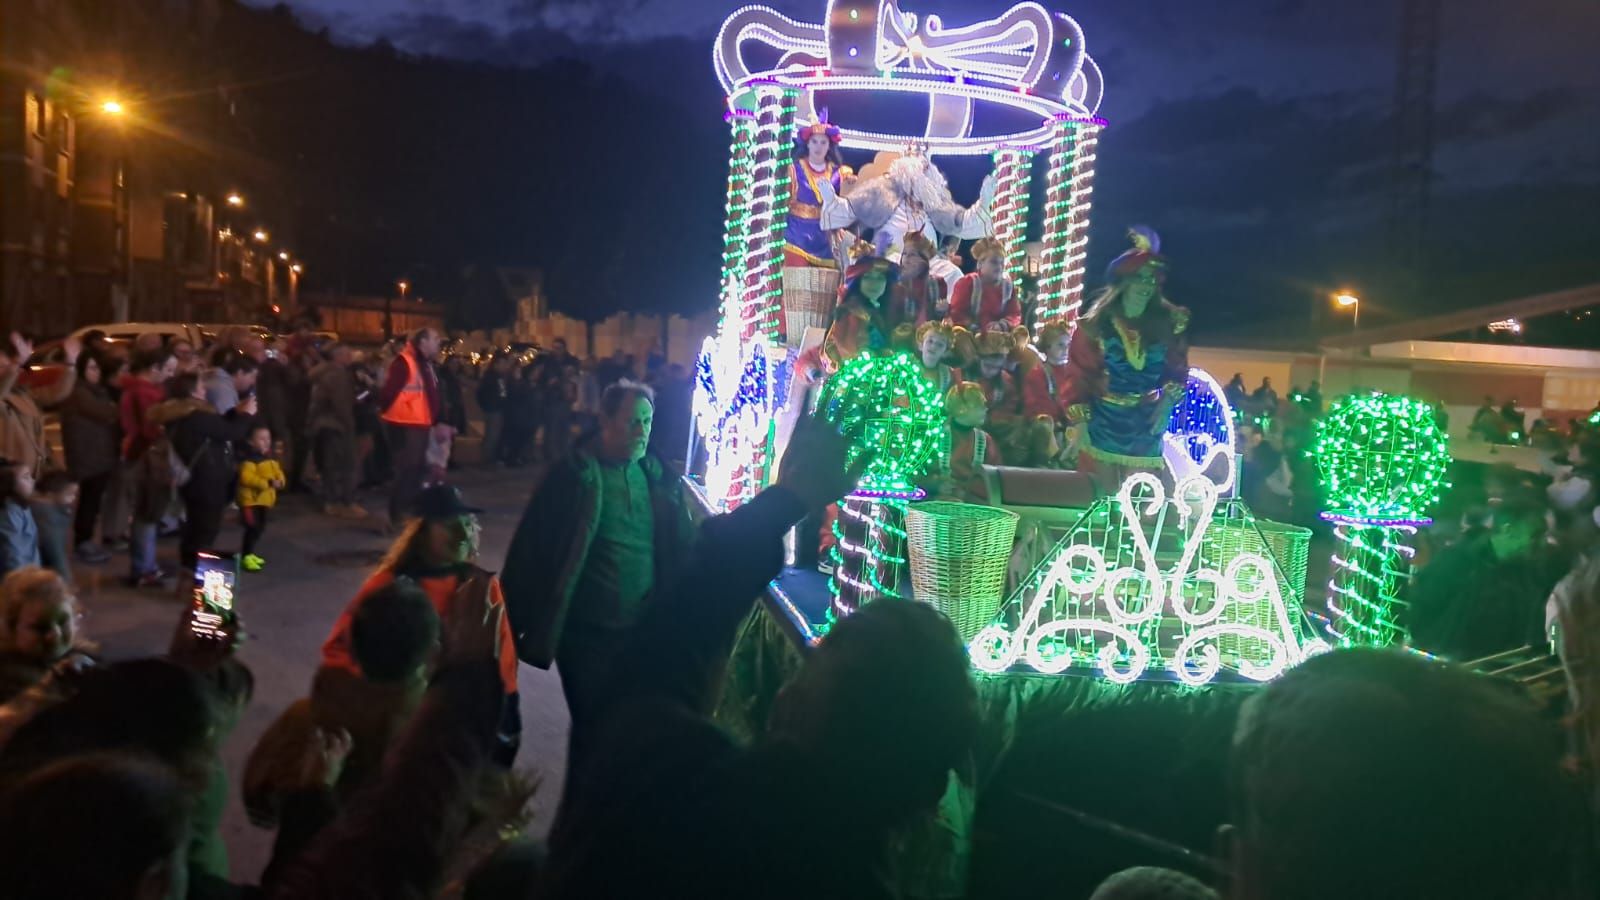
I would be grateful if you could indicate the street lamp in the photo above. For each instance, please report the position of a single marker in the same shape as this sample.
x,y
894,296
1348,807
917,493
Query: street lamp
x,y
261,235
1350,301
235,199
284,255
388,309
113,108
297,268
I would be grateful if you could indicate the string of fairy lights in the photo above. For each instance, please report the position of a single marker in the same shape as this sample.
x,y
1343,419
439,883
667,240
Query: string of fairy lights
x,y
1371,567
892,413
768,205
1069,181
1086,136
888,408
736,218
1013,171
869,554
1383,460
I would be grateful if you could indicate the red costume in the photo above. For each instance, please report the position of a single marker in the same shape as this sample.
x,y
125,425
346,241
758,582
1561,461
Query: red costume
x,y
971,449
861,325
917,299
998,304
1047,390
858,327
943,376
1005,401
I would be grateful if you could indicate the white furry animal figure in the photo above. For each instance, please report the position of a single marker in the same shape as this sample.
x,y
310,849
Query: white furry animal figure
x,y
911,196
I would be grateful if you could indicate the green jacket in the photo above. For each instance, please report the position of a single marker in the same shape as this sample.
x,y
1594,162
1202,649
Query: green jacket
x,y
547,555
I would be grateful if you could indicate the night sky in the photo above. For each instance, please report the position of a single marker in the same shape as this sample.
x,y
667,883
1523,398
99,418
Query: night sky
x,y
1242,135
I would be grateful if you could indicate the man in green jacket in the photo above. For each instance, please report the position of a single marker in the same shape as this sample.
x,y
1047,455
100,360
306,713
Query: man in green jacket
x,y
604,529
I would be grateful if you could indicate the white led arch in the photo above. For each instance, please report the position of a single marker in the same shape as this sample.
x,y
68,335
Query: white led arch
x,y
1028,59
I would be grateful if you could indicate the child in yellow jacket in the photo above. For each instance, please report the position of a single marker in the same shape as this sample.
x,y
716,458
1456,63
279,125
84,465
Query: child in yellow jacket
x,y
260,478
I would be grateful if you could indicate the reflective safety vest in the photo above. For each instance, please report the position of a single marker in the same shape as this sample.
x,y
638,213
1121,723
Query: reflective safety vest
x,y
410,407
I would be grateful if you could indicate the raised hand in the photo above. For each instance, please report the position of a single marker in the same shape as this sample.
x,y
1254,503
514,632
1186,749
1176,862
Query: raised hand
x,y
323,758
814,466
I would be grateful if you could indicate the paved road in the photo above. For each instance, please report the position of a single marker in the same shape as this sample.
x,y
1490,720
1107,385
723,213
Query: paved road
x,y
314,565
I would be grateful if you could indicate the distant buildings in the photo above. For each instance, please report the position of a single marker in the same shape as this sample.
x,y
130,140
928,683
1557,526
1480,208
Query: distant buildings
x,y
120,144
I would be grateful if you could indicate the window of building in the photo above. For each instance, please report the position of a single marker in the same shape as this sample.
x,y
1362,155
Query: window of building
x,y
35,114
65,131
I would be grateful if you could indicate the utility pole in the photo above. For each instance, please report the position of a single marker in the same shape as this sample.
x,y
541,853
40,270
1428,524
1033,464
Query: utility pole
x,y
1411,163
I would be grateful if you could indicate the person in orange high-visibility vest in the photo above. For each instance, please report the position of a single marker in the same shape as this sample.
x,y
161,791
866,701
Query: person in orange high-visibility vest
x,y
411,408
437,551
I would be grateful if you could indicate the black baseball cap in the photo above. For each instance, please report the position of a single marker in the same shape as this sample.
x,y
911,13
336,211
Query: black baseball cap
x,y
441,501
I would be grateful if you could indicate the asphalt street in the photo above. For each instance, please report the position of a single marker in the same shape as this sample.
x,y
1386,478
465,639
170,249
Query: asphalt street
x,y
314,566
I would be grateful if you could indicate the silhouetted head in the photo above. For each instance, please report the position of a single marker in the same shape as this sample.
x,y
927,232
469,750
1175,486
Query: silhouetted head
x,y
110,825
1380,774
394,633
886,704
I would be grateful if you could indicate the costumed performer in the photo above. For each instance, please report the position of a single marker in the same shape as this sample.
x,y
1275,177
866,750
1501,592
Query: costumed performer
x,y
865,319
912,197
985,298
921,296
811,255
1127,364
816,162
934,343
971,447
1046,394
1000,392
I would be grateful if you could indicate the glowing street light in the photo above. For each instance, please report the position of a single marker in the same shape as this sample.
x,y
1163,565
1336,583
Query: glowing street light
x,y
1347,300
235,199
284,255
113,108
261,235
297,268
403,286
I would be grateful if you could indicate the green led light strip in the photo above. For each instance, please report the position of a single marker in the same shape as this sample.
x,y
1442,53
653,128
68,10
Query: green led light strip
x,y
1383,460
736,217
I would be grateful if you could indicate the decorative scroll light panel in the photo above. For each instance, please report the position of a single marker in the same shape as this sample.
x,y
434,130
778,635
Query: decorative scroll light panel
x,y
1152,586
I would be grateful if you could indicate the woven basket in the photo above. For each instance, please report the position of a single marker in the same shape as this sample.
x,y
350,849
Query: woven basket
x,y
1289,546
959,554
810,294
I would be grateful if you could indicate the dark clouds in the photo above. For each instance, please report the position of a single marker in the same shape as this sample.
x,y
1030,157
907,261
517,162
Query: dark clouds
x,y
1256,134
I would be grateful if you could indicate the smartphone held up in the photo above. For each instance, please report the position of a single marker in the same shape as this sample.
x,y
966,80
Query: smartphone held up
x,y
215,578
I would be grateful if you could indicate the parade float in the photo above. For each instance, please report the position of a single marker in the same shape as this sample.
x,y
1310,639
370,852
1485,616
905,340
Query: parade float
x,y
1153,569
1119,561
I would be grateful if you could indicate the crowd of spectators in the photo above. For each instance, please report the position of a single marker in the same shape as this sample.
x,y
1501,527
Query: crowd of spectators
x,y
1374,774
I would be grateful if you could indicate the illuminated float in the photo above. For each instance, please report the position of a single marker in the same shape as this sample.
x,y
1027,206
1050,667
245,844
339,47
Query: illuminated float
x,y
1165,577
1015,88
